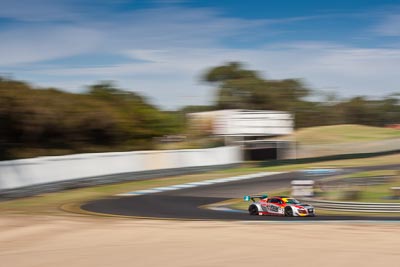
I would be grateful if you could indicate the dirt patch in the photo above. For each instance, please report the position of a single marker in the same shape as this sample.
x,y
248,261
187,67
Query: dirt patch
x,y
85,241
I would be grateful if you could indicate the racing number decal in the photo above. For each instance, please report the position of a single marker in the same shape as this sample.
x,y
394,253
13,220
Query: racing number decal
x,y
273,208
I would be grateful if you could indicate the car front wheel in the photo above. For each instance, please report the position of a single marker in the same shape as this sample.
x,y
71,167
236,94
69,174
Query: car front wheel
x,y
288,212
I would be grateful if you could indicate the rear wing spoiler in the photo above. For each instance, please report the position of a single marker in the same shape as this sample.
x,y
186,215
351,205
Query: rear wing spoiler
x,y
252,198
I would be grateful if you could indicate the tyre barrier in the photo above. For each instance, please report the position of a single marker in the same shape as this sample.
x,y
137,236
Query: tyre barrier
x,y
355,206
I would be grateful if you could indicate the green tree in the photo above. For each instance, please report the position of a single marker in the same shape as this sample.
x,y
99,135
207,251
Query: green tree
x,y
47,121
246,89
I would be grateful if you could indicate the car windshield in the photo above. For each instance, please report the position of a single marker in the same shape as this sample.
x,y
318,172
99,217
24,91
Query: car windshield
x,y
292,201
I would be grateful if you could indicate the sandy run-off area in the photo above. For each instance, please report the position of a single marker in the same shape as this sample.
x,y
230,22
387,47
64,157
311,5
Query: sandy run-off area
x,y
84,241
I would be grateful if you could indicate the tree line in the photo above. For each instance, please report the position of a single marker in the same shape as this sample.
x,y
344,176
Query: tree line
x,y
240,88
51,122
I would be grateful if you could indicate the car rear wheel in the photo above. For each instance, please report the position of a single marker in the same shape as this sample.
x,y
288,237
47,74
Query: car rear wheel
x,y
253,210
288,212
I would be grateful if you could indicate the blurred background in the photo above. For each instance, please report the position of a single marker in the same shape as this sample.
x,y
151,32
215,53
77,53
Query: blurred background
x,y
106,104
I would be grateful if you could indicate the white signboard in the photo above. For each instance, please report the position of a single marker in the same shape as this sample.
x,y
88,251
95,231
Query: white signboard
x,y
253,123
303,188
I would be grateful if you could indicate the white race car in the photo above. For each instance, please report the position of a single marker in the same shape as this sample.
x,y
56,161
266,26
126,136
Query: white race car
x,y
279,206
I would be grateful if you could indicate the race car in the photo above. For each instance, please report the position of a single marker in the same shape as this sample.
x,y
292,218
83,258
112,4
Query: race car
x,y
279,206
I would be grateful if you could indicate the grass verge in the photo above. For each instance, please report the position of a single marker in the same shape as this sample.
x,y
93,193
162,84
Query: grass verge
x,y
347,133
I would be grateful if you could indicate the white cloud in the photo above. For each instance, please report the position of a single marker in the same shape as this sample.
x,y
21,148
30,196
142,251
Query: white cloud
x,y
36,10
350,70
389,24
39,44
156,29
146,54
173,27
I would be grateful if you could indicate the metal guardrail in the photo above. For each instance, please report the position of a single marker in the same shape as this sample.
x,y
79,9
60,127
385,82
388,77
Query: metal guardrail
x,y
372,180
361,181
355,206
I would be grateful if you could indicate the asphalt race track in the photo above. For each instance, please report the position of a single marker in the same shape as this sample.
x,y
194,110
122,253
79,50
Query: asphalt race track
x,y
187,203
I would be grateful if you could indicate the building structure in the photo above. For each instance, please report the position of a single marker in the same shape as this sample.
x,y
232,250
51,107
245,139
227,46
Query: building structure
x,y
257,131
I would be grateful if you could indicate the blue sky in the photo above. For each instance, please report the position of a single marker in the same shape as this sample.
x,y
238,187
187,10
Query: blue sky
x,y
161,48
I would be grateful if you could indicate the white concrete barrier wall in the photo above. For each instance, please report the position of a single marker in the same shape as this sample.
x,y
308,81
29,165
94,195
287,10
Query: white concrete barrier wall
x,y
41,170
